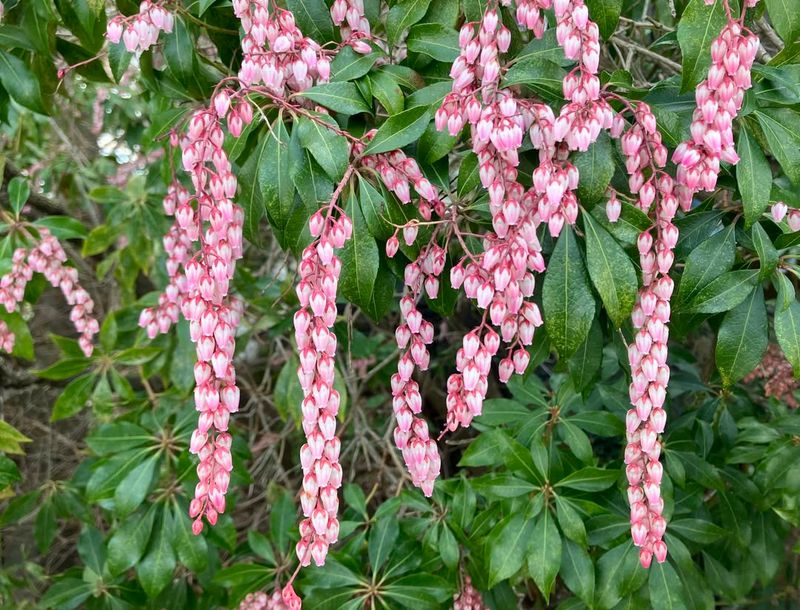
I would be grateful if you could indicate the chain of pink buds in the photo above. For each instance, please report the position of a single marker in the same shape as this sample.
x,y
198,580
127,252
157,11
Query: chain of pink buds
x,y
316,344
140,32
47,257
280,599
200,291
469,598
645,155
275,51
719,99
413,336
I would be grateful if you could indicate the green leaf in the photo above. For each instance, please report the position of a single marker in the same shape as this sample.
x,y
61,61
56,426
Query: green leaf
x,y
373,207
99,240
697,531
313,18
74,397
708,261
787,331
700,24
485,450
134,487
767,254
349,65
91,549
468,175
434,40
502,485
329,149
282,521
63,227
753,176
382,539
129,541
9,473
118,60
785,17
20,83
135,356
781,127
725,292
577,571
507,546
742,338
403,15
179,53
589,479
342,97
567,299
192,550
584,365
785,290
387,91
666,590
360,261
19,189
118,436
544,556
570,521
23,341
605,13
543,76
618,573
399,130
611,270
156,569
267,184
66,593
596,167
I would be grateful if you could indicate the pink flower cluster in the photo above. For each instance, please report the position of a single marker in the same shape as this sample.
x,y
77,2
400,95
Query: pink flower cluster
x,y
140,32
530,14
316,343
780,210
47,257
275,51
399,172
349,16
719,99
201,293
469,598
501,277
414,335
281,599
650,372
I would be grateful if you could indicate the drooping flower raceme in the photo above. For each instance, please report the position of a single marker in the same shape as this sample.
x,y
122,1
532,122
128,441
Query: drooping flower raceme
x,y
645,156
208,219
47,257
140,32
319,272
719,99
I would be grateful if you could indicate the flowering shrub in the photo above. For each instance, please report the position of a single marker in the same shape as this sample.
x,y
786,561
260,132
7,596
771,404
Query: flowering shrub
x,y
287,225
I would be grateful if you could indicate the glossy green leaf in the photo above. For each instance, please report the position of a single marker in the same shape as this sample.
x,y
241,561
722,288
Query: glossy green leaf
x,y
567,299
618,573
787,331
781,128
589,479
74,397
403,15
134,487
544,555
129,541
596,167
20,83
709,260
330,149
577,571
700,24
785,17
611,270
666,589
605,13
19,189
753,176
155,570
382,538
742,338
725,292
342,97
434,40
399,130
360,261
313,18
507,546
